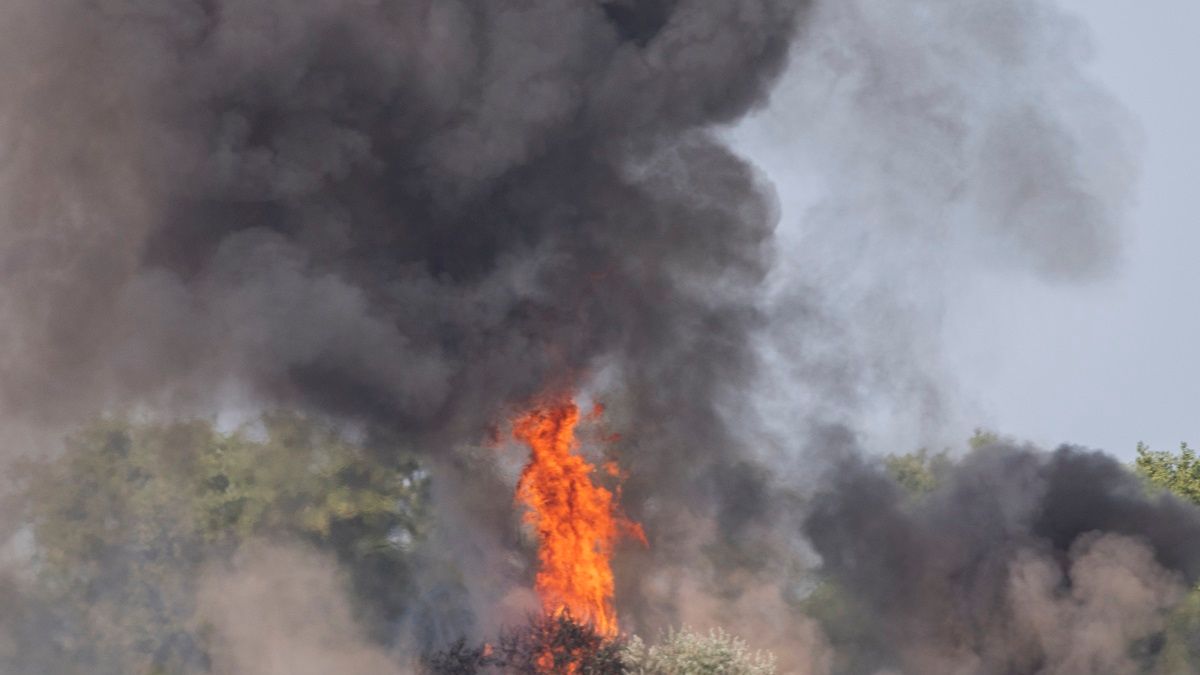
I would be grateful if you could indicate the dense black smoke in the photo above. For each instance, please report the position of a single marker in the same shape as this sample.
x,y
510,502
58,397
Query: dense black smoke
x,y
1022,561
408,212
412,214
417,214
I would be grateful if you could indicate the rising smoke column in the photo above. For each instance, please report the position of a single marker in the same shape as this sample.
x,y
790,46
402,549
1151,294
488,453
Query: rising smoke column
x,y
413,213
407,214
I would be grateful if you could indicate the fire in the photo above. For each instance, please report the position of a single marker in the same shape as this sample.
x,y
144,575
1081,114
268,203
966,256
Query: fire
x,y
577,521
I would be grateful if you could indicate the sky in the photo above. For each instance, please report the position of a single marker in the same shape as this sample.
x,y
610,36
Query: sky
x,y
1114,362
1105,363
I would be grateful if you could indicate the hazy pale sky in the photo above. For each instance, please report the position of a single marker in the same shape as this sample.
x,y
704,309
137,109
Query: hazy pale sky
x,y
1104,363
1115,362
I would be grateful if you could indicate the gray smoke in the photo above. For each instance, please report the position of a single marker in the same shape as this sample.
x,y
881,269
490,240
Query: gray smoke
x,y
414,215
408,212
1022,561
409,215
923,143
926,145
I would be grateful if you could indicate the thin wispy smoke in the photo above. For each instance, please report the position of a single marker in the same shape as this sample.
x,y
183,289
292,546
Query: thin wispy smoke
x,y
928,142
410,215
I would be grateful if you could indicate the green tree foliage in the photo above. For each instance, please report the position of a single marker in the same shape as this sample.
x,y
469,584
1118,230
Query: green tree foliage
x,y
917,472
123,520
1178,473
920,472
1178,649
983,438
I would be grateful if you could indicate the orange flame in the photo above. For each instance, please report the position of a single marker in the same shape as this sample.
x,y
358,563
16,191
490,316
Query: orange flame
x,y
577,521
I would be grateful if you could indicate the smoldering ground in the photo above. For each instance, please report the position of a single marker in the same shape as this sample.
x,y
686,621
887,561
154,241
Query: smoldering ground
x,y
413,215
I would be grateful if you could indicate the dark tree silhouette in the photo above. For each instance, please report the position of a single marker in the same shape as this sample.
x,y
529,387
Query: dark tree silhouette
x,y
546,644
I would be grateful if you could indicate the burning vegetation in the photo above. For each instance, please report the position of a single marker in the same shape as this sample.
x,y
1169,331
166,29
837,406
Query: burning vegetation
x,y
577,521
274,267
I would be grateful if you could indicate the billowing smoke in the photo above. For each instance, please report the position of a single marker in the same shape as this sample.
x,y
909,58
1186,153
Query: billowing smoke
x,y
414,215
1021,562
411,213
277,611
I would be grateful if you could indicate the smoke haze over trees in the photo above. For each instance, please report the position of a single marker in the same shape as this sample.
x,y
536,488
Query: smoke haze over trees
x,y
132,523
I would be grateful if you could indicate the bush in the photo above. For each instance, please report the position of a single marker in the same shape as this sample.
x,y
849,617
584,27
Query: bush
x,y
690,653
547,644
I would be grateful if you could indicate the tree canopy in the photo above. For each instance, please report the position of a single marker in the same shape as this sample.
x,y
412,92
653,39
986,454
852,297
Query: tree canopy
x,y
124,519
1178,473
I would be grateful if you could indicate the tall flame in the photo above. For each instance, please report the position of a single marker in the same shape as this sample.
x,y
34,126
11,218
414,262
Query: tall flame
x,y
577,521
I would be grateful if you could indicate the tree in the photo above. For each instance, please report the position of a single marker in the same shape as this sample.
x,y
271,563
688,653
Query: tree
x,y
982,438
920,472
1178,650
917,472
546,644
1177,473
125,517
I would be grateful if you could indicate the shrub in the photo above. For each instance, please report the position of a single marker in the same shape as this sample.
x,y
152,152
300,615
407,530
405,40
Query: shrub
x,y
687,652
547,644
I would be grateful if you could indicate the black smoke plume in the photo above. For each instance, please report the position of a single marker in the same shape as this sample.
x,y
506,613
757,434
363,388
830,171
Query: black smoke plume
x,y
1022,561
412,215
416,214
407,212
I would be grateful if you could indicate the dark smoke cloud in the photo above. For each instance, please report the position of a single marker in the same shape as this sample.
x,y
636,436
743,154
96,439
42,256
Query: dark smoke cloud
x,y
1021,562
409,212
923,144
416,214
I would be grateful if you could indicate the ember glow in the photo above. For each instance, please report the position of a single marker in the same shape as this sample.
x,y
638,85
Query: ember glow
x,y
577,521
